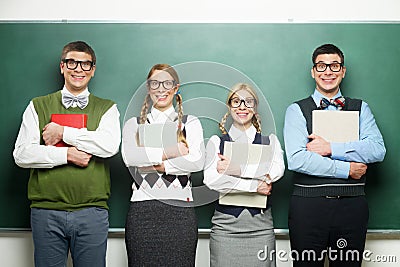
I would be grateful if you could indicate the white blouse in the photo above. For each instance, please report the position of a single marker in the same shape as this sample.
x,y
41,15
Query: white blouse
x,y
254,172
137,156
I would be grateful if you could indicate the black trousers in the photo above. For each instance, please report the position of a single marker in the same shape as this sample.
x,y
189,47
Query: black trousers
x,y
333,228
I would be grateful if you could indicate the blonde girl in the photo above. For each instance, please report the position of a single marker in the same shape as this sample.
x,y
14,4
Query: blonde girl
x,y
238,233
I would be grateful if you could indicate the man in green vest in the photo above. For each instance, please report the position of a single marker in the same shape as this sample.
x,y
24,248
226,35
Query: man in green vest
x,y
69,181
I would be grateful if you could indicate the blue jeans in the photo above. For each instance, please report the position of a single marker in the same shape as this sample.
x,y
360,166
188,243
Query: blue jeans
x,y
83,232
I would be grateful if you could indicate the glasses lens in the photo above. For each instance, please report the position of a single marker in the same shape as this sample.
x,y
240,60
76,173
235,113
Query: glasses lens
x,y
86,65
235,102
249,102
320,67
168,84
153,84
335,67
71,64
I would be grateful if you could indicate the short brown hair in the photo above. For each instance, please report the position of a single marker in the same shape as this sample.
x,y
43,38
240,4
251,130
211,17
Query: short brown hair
x,y
79,46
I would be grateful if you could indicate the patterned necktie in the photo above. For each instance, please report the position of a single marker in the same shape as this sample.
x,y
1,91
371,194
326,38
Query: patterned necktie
x,y
69,100
337,102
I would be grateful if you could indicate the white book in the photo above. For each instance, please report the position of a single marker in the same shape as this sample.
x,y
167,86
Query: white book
x,y
158,135
336,126
243,154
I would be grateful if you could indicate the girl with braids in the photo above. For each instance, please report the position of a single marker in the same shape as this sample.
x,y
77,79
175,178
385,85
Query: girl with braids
x,y
161,226
239,233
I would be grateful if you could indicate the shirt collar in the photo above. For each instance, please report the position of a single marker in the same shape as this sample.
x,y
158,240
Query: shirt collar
x,y
246,136
163,116
65,91
317,96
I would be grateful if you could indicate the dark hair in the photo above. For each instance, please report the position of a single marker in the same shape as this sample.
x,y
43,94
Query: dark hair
x,y
327,49
79,46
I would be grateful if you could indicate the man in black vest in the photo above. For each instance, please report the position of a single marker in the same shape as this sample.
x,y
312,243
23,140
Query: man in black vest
x,y
328,213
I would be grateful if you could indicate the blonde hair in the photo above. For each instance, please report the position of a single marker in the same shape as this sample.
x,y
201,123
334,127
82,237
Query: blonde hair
x,y
146,103
256,121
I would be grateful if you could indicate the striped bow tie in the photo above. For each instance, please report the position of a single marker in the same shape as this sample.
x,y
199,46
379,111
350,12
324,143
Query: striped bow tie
x,y
69,100
337,102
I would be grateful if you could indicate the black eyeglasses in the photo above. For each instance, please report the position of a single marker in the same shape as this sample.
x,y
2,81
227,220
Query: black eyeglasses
x,y
73,64
167,84
248,102
321,66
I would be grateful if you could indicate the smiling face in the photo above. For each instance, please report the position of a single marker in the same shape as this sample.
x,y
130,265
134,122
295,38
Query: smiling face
x,y
162,98
241,114
327,82
77,80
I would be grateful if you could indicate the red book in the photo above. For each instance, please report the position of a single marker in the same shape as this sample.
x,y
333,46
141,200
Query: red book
x,y
72,120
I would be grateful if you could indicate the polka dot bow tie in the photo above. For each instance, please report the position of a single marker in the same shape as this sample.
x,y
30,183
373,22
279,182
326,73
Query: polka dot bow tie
x,y
337,102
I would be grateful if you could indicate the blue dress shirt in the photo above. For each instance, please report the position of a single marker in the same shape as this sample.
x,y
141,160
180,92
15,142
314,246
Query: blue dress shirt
x,y
370,147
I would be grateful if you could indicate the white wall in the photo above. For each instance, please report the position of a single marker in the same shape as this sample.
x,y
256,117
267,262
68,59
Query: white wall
x,y
16,250
204,10
16,247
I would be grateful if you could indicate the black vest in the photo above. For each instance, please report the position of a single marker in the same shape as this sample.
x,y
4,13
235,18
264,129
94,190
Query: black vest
x,y
313,186
152,178
236,210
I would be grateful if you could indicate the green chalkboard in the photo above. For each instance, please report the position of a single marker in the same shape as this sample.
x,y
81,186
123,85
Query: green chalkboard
x,y
276,57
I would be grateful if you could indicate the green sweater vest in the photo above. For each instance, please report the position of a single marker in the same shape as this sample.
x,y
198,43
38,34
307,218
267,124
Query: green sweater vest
x,y
69,187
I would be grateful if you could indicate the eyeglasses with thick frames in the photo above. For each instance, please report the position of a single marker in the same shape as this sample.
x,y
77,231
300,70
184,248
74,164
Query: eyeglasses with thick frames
x,y
167,84
72,64
321,66
248,102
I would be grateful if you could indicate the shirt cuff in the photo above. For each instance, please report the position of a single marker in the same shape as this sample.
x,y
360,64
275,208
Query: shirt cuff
x,y
338,151
153,156
59,155
253,186
70,135
342,169
245,185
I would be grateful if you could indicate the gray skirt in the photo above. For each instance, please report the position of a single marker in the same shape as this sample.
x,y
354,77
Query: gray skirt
x,y
242,241
160,234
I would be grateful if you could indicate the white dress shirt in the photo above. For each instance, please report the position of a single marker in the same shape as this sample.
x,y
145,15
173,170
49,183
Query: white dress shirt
x,y
253,172
103,142
138,156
